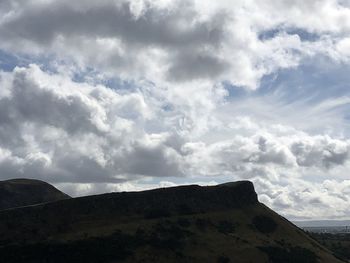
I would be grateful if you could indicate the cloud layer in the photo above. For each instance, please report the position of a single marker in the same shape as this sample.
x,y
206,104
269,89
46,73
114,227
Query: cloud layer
x,y
175,42
61,131
124,95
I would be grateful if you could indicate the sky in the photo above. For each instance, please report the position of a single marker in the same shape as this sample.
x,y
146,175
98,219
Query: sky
x,y
101,96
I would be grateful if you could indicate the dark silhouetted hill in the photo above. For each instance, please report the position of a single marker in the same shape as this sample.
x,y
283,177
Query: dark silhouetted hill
x,y
24,192
224,223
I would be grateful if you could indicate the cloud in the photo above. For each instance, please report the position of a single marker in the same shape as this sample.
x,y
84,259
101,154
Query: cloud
x,y
169,43
196,66
128,40
100,139
268,153
130,95
58,130
81,127
303,200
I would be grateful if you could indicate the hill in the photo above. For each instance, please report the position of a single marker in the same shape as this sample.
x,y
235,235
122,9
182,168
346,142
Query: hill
x,y
24,192
224,223
339,243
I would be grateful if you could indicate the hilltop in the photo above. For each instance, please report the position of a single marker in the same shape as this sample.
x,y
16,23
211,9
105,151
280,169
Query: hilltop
x,y
224,223
24,192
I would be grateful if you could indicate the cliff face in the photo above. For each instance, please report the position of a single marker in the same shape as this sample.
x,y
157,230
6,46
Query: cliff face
x,y
223,223
24,192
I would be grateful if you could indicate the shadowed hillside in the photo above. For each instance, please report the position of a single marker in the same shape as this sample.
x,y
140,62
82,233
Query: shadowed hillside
x,y
223,223
24,192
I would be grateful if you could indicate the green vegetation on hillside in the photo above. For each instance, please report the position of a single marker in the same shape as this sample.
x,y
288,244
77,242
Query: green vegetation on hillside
x,y
223,224
339,244
24,192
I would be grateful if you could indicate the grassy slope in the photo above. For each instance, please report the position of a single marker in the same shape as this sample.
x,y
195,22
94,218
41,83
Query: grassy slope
x,y
337,243
23,192
215,235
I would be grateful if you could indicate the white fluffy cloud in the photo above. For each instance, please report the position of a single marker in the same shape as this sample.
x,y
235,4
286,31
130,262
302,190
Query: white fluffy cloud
x,y
102,139
172,115
302,200
55,129
171,42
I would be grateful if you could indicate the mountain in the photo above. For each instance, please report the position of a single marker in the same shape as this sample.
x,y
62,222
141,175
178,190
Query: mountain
x,y
24,192
224,223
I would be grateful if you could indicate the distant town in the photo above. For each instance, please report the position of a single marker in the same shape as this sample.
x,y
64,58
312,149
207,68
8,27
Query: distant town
x,y
328,229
